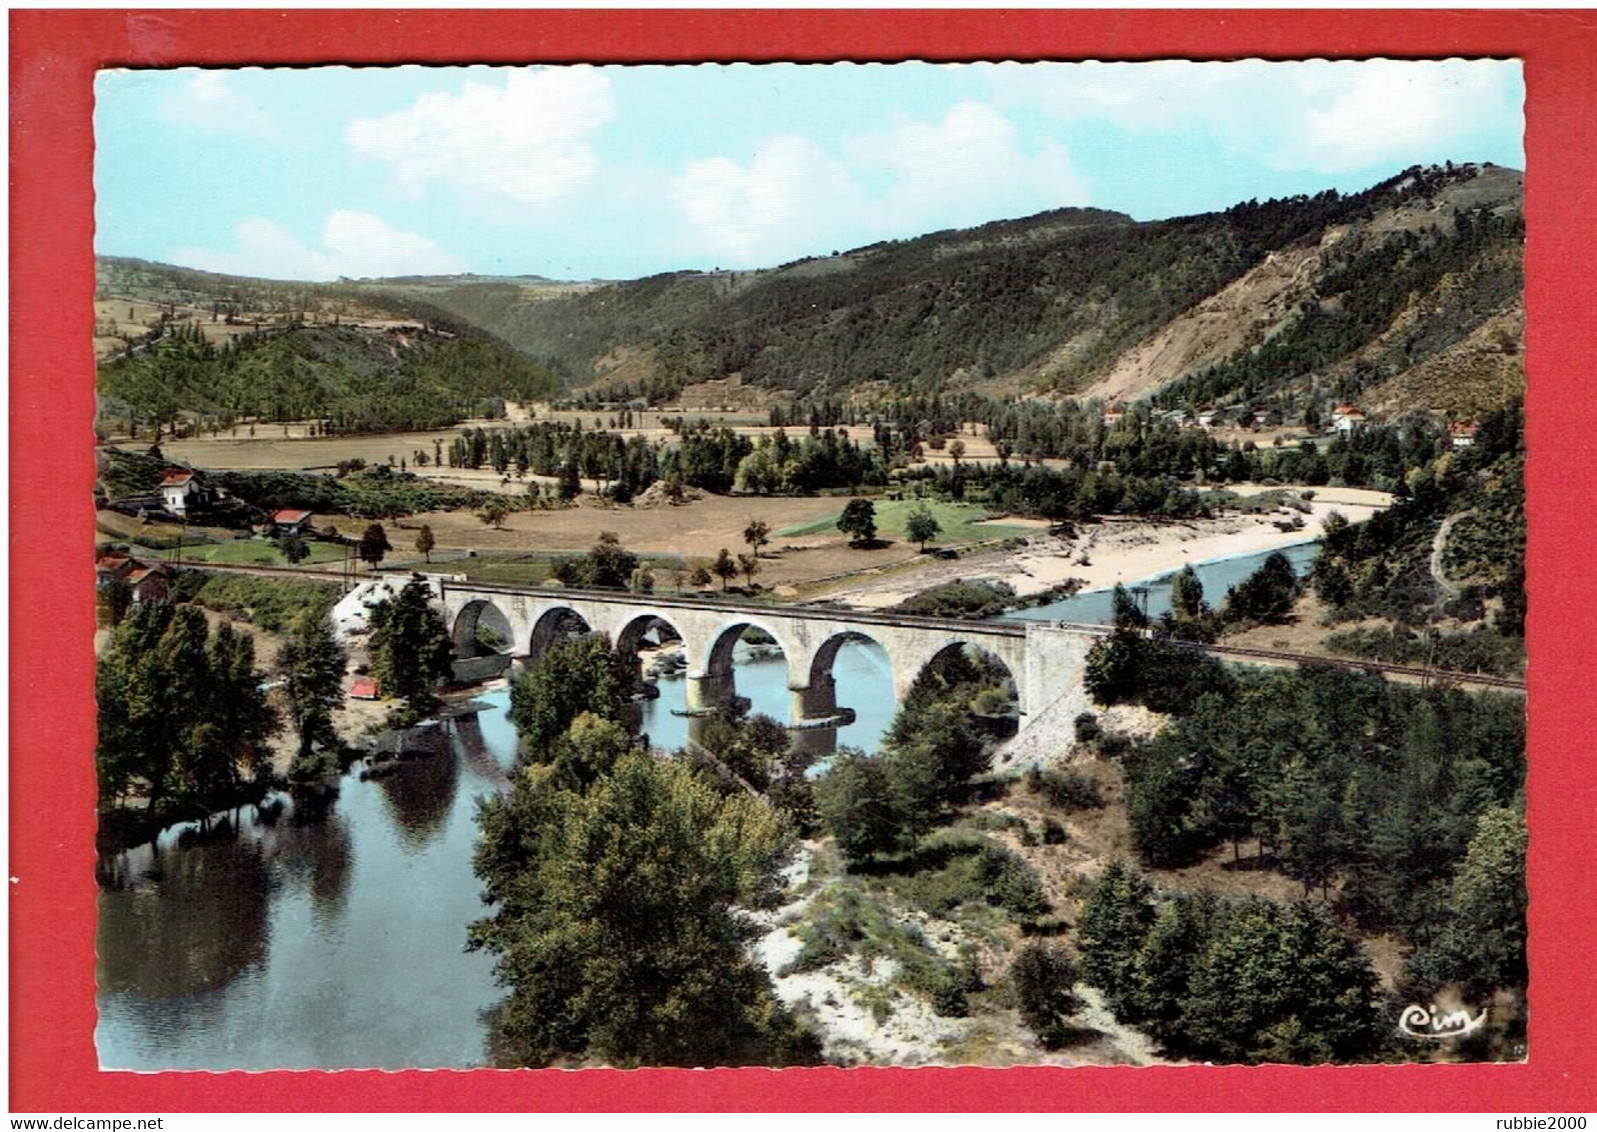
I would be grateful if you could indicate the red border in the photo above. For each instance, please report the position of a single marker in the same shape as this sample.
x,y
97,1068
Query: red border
x,y
53,59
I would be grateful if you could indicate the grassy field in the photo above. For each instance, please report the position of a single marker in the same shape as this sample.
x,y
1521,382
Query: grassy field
x,y
525,568
260,552
960,522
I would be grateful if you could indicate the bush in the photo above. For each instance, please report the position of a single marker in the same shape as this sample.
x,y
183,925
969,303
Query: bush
x,y
1043,978
1087,728
973,600
1070,789
267,602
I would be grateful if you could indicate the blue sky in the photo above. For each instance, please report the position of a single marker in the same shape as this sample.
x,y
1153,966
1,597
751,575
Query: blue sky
x,y
617,172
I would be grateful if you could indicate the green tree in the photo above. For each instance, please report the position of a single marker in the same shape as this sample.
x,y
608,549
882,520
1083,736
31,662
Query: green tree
x,y
410,647
293,549
571,678
617,925
1186,595
922,526
493,513
1115,922
856,804
858,521
757,534
570,485
1128,614
700,577
1276,983
1266,595
1482,947
425,542
749,564
724,567
608,566
373,545
311,667
1043,978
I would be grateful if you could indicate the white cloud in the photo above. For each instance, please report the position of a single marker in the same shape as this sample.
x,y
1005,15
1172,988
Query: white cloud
x,y
1328,116
792,197
525,140
209,104
969,168
774,207
1385,111
353,244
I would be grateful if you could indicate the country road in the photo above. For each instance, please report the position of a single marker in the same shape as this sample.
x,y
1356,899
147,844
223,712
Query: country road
x,y
1438,547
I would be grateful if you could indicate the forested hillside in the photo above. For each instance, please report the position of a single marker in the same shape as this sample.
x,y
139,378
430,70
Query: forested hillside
x,y
1335,292
356,378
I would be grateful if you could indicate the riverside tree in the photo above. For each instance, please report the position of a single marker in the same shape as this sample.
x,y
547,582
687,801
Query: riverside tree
x,y
619,925
425,542
410,647
181,711
573,677
311,668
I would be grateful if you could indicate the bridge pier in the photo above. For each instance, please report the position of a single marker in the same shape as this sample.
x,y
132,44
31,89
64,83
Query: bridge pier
x,y
813,704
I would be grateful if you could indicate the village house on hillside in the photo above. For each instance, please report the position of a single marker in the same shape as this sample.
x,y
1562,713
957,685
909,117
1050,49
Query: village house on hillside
x,y
1462,433
1347,418
145,582
178,490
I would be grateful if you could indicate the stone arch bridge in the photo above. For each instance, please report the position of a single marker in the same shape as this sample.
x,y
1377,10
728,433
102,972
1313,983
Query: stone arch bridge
x,y
1046,661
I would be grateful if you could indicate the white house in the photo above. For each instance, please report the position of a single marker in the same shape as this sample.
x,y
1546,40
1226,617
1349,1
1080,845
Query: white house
x,y
1462,433
177,489
1347,418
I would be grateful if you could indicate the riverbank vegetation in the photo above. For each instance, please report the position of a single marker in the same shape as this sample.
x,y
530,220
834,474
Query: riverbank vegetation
x,y
184,721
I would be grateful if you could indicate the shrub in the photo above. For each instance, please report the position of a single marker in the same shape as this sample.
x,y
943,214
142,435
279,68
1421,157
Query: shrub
x,y
1043,978
1071,789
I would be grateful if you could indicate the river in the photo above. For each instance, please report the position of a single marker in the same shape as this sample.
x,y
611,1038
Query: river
x,y
1217,576
336,940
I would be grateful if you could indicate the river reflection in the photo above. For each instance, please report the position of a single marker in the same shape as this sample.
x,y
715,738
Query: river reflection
x,y
336,940
331,943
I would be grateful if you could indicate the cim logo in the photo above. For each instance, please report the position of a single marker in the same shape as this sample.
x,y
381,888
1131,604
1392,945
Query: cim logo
x,y
1433,1024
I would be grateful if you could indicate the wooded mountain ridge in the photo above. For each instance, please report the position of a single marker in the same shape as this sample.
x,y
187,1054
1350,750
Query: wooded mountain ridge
x,y
1406,295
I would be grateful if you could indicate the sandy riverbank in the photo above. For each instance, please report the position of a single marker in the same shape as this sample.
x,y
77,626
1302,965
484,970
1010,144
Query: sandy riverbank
x,y
1108,553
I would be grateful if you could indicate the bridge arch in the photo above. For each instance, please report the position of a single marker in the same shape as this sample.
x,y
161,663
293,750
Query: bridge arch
x,y
974,662
482,614
718,657
555,624
819,670
630,637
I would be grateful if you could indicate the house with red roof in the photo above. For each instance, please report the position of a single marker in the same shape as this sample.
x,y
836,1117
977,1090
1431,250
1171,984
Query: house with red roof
x,y
148,583
1346,418
290,523
145,582
364,688
1462,433
178,490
